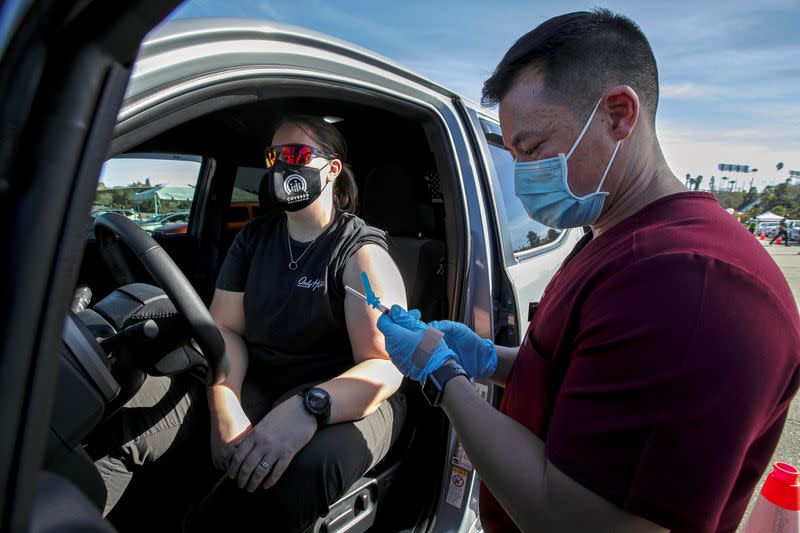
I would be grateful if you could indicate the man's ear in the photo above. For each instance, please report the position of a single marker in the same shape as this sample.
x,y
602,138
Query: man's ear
x,y
622,104
334,169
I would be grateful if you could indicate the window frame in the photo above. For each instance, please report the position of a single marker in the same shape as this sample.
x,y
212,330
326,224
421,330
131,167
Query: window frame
x,y
193,221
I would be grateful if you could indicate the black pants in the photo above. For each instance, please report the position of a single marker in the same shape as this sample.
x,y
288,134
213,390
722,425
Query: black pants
x,y
169,417
783,235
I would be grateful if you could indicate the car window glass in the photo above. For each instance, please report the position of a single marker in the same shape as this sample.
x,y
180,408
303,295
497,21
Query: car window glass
x,y
526,234
244,204
245,187
150,189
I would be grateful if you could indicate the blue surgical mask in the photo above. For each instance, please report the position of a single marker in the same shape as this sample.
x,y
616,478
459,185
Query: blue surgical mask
x,y
544,191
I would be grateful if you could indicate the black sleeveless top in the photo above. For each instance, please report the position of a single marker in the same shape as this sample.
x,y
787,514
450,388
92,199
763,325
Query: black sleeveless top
x,y
295,327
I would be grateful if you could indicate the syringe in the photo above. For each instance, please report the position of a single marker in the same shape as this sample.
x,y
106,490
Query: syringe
x,y
383,309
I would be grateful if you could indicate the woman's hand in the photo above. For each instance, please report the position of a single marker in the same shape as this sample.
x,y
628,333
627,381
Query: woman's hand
x,y
263,455
229,425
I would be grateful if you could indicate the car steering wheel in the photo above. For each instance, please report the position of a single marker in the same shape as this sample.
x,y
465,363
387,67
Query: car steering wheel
x,y
170,278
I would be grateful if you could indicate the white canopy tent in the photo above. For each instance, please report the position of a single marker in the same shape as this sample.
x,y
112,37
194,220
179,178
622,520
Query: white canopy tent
x,y
769,216
185,194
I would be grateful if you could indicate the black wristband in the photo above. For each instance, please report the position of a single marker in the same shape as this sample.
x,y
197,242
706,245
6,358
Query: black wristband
x,y
433,388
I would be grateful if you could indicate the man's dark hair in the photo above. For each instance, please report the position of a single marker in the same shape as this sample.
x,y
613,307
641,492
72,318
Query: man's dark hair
x,y
580,55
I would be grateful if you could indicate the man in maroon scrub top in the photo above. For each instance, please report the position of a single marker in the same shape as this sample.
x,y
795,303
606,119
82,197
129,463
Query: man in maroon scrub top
x,y
644,397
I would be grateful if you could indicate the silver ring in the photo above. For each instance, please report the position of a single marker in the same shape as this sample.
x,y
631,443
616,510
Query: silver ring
x,y
263,463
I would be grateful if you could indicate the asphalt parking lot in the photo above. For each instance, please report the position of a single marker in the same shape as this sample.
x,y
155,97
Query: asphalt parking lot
x,y
788,451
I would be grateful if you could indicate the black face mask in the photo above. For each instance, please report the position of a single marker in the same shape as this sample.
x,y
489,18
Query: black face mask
x,y
290,187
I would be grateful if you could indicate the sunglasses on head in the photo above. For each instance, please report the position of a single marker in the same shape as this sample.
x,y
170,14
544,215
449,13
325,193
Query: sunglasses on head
x,y
294,154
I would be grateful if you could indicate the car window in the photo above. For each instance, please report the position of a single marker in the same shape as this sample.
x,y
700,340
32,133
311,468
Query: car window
x,y
245,187
244,205
150,189
526,234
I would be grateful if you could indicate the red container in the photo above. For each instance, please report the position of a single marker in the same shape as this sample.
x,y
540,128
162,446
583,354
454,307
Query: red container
x,y
777,509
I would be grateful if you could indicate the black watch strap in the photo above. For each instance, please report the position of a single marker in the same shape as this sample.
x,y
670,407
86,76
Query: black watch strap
x,y
433,388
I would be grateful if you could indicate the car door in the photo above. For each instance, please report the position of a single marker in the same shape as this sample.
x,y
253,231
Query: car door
x,y
63,73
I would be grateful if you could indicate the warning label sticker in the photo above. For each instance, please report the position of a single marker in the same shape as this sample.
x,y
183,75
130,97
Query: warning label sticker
x,y
455,491
460,458
482,389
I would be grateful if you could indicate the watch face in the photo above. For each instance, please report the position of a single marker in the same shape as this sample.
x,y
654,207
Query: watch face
x,y
318,400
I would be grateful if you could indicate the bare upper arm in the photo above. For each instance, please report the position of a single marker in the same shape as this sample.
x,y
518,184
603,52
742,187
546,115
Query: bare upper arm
x,y
227,310
387,283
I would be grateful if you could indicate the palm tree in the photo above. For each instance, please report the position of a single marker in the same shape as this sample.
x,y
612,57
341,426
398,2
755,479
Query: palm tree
x,y
697,183
688,179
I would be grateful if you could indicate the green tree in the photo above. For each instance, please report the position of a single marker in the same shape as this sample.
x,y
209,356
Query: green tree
x,y
120,199
534,239
552,234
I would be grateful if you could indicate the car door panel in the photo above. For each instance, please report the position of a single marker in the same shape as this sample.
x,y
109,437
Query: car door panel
x,y
75,74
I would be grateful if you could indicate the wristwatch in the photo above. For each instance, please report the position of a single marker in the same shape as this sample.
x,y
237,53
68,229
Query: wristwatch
x,y
318,402
433,388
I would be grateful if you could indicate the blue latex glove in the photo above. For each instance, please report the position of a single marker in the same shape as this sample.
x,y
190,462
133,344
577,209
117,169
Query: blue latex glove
x,y
403,331
478,356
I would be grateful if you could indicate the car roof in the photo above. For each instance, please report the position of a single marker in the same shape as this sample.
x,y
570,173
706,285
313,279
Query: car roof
x,y
182,49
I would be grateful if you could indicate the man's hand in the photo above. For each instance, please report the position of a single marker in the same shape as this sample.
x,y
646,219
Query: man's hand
x,y
263,455
403,331
229,425
476,355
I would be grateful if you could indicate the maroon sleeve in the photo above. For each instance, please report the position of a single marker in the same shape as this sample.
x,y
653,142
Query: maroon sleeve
x,y
678,369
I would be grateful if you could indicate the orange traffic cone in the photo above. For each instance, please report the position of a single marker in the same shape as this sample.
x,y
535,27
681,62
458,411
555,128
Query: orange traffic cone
x,y
778,240
763,234
777,509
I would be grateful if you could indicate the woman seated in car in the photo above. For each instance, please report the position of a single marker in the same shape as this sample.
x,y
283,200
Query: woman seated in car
x,y
309,404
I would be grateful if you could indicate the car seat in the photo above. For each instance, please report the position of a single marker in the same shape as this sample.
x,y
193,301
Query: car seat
x,y
398,200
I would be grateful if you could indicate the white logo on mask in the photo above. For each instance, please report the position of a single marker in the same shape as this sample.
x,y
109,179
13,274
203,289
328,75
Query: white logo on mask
x,y
295,183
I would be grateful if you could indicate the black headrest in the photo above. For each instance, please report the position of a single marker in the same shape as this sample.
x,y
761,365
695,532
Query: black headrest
x,y
396,199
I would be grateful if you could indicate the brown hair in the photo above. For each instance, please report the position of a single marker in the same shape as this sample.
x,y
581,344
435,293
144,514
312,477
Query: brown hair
x,y
329,139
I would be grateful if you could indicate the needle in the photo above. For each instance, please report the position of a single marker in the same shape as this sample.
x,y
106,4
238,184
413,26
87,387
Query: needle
x,y
383,309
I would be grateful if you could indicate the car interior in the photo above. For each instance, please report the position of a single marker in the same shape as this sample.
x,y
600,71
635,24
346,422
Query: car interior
x,y
401,163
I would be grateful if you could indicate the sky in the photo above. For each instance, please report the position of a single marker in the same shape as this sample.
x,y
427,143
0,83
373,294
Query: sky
x,y
122,171
729,71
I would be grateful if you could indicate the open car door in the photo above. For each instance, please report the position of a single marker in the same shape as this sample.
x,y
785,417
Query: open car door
x,y
63,72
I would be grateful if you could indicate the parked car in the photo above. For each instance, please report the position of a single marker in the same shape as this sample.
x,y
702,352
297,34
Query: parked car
x,y
158,221
175,228
793,229
204,89
127,213
769,228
